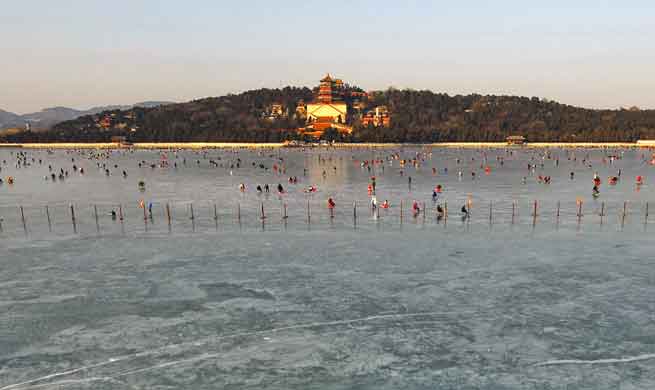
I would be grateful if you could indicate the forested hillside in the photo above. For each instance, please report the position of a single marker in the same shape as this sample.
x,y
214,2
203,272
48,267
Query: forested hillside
x,y
417,116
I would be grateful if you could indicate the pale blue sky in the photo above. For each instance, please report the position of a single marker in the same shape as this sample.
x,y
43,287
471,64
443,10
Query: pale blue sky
x,y
82,53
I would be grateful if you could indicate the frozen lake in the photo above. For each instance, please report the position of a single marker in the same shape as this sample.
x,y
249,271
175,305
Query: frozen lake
x,y
204,179
511,302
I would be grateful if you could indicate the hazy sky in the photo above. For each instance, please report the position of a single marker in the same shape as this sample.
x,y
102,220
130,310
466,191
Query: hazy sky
x,y
82,53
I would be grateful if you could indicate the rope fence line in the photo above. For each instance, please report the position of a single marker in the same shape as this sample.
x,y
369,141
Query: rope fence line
x,y
204,213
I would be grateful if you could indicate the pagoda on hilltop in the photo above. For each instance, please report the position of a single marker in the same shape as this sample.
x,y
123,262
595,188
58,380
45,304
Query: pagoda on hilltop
x,y
328,90
328,110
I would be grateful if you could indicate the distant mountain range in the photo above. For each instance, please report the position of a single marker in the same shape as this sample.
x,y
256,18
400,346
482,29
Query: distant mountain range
x,y
48,117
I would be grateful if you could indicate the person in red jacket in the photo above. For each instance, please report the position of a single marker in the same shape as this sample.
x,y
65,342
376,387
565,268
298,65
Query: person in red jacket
x,y
331,204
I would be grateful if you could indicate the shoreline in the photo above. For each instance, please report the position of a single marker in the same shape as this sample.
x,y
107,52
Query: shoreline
x,y
223,145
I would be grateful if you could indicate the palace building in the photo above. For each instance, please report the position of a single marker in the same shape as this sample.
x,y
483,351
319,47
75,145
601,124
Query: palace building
x,y
328,108
378,117
301,109
336,105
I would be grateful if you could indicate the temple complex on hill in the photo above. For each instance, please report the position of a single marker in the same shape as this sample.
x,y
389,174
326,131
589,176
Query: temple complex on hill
x,y
335,105
329,108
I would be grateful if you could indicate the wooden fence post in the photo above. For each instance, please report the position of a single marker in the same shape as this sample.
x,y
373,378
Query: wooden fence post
x,y
309,213
193,218
47,213
534,213
513,211
168,215
215,216
22,217
95,214
73,218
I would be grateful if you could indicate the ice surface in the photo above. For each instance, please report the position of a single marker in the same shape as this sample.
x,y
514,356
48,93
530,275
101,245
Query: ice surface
x,y
422,305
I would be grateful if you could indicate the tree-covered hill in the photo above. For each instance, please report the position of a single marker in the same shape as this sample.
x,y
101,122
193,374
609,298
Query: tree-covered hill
x,y
417,116
423,116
